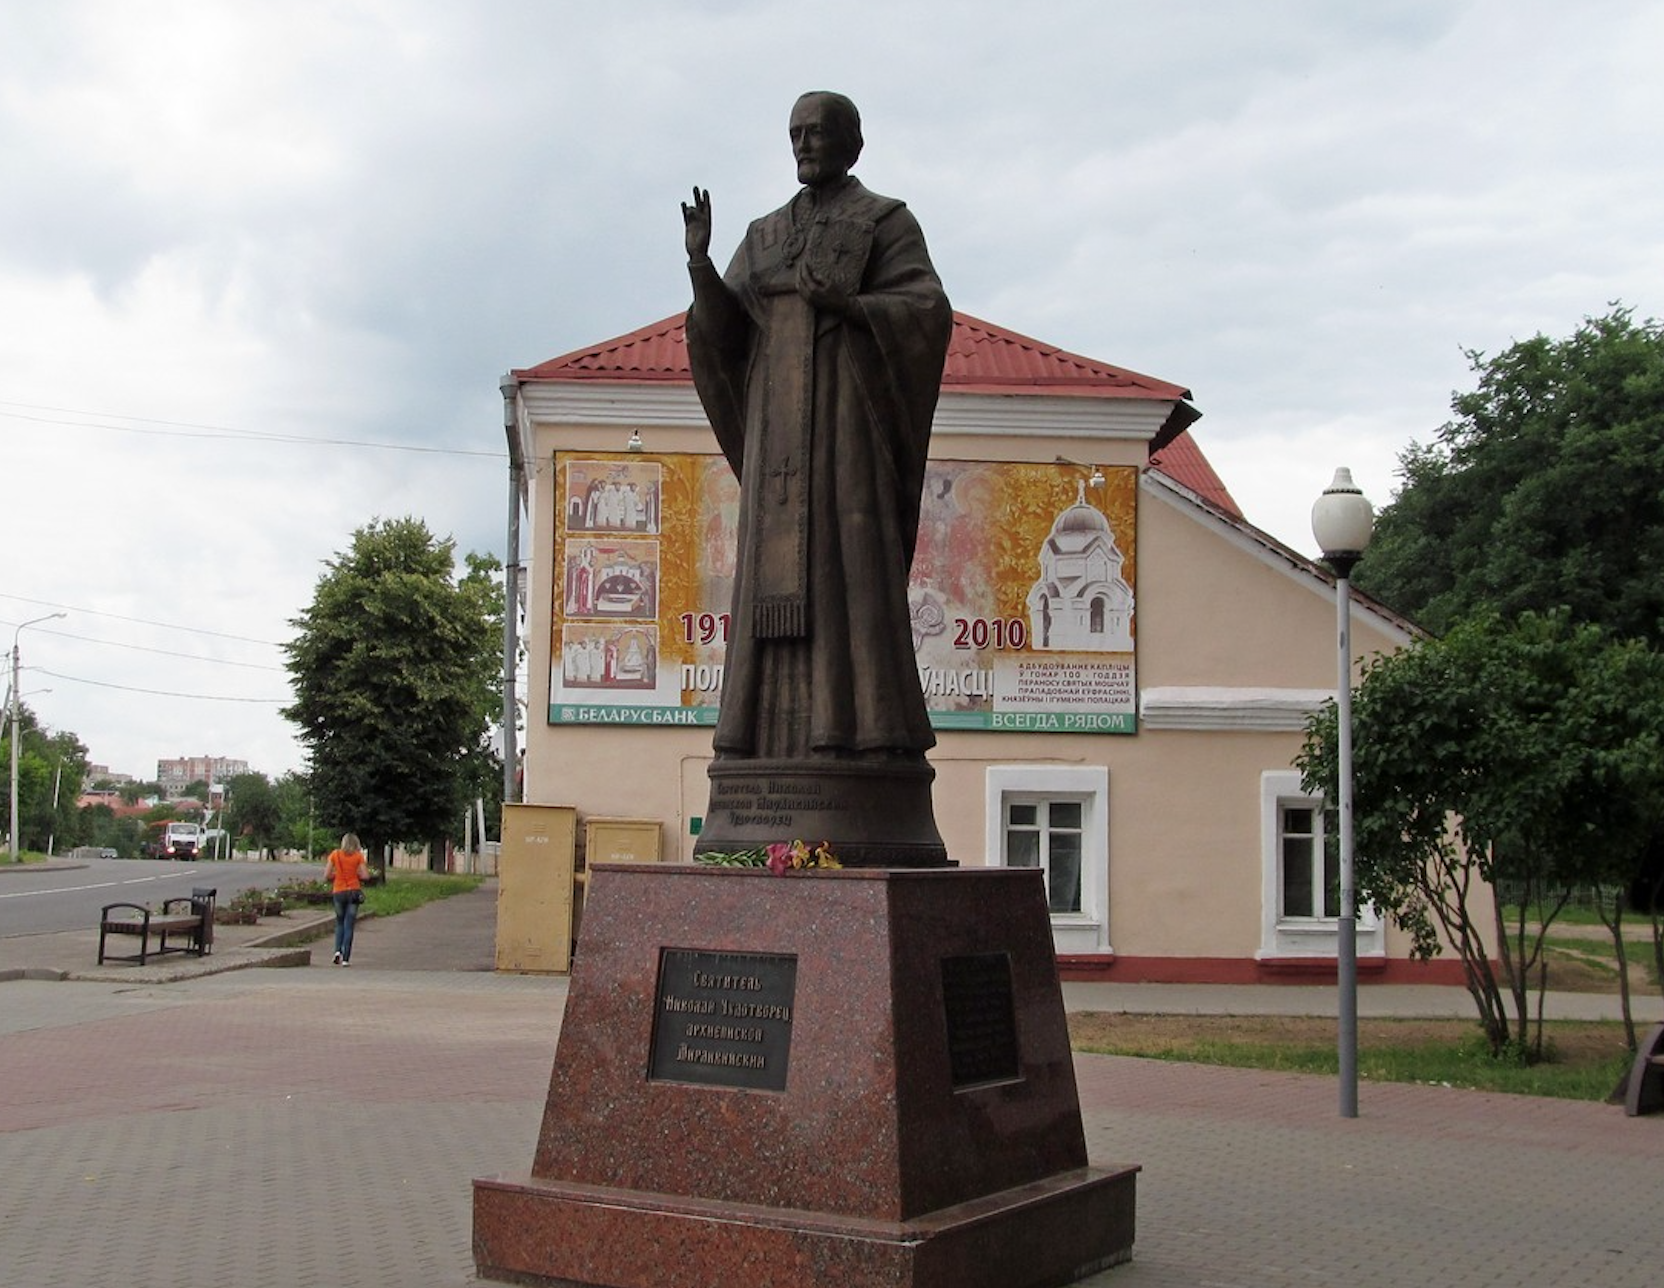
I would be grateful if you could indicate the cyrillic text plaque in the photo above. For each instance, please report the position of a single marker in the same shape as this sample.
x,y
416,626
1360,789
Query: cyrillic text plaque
x,y
723,1019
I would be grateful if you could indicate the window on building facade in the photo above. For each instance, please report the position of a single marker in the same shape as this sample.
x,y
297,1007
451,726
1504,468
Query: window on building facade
x,y
1310,875
1056,818
1046,833
1300,912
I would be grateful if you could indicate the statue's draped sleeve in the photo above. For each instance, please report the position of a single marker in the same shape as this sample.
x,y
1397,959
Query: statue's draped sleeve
x,y
719,339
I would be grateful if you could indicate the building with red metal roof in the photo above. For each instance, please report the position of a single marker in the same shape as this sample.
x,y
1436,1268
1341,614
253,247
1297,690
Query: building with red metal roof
x,y
984,360
1119,666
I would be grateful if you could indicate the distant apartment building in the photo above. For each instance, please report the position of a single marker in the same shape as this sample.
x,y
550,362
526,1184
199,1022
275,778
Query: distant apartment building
x,y
176,775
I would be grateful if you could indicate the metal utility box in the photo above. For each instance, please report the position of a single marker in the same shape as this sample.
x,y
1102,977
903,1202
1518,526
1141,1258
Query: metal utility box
x,y
534,888
621,840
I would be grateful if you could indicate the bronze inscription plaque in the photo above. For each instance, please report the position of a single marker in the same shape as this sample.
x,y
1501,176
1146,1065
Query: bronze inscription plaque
x,y
723,1019
981,1019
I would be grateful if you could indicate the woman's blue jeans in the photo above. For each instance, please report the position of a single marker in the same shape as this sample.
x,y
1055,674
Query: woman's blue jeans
x,y
346,913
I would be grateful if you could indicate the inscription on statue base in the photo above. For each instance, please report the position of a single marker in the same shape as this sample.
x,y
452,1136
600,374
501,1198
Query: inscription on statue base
x,y
875,814
723,1019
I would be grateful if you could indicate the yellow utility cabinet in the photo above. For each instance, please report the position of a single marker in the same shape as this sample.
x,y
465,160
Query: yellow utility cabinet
x,y
621,840
616,840
534,888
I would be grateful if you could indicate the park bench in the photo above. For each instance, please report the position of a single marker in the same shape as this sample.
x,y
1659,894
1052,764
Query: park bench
x,y
1644,1093
184,924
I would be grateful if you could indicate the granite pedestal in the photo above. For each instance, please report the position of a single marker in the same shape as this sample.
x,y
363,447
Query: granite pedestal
x,y
854,1078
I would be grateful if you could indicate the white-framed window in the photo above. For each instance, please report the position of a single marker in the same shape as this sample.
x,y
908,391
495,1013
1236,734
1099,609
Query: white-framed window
x,y
1300,876
1056,818
1045,832
1308,870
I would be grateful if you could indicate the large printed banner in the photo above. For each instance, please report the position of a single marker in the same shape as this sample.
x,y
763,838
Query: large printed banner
x,y
1022,593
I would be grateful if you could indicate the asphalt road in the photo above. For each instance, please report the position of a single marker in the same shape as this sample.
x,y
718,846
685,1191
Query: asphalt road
x,y
38,900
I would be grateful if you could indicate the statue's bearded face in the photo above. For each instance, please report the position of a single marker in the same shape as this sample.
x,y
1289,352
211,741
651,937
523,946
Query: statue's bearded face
x,y
818,143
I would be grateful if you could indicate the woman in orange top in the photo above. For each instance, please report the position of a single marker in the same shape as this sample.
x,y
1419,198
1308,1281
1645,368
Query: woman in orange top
x,y
346,871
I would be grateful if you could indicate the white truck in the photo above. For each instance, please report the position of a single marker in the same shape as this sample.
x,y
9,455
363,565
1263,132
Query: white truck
x,y
181,840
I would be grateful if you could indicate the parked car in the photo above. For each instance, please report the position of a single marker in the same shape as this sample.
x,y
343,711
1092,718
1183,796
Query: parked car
x,y
108,852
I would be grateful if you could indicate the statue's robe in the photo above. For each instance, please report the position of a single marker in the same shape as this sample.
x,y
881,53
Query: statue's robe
x,y
825,418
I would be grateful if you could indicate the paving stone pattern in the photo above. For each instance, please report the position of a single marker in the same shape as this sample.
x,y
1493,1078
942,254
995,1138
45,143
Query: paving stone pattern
x,y
211,1133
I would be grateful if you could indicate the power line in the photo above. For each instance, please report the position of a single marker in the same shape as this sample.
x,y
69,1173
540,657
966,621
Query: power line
x,y
140,621
185,429
159,693
163,652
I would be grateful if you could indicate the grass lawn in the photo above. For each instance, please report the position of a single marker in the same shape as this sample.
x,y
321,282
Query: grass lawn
x,y
405,890
1585,1060
402,891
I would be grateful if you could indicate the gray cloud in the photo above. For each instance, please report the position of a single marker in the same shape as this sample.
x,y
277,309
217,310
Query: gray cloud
x,y
344,220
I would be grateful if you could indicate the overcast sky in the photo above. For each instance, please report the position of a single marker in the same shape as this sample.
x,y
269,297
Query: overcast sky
x,y
263,264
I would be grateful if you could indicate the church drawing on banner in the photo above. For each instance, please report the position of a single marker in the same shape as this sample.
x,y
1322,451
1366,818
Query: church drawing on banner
x,y
1081,601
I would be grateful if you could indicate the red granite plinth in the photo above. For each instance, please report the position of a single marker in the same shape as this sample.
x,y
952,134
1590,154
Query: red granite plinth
x,y
855,1077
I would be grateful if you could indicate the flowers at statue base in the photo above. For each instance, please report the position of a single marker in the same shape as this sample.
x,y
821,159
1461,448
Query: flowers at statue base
x,y
780,858
797,856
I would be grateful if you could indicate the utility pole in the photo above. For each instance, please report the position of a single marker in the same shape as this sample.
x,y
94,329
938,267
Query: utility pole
x,y
57,783
12,828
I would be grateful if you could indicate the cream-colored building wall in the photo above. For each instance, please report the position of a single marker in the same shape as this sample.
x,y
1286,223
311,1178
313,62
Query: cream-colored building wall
x,y
1218,607
1183,829
1235,641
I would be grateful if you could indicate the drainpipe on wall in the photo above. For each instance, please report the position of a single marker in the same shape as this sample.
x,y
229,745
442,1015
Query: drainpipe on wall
x,y
511,589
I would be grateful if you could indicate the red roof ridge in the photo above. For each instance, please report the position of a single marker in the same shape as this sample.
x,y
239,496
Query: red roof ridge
x,y
1020,361
982,359
657,351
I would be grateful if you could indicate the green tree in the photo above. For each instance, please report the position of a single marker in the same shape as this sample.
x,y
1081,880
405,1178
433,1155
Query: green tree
x,y
253,811
51,767
100,826
1545,491
483,584
389,666
298,827
1525,756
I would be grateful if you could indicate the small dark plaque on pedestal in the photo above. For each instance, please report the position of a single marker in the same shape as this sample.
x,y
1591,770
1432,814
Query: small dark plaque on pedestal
x,y
982,1020
723,1019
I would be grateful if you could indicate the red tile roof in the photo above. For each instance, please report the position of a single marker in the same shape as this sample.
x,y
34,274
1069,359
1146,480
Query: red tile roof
x,y
987,359
1182,461
982,359
658,352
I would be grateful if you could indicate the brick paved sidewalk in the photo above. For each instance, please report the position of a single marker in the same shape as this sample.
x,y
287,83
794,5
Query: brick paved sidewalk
x,y
202,1133
205,1133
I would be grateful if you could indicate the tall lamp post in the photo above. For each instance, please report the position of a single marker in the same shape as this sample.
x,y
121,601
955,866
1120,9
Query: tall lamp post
x,y
1342,522
12,828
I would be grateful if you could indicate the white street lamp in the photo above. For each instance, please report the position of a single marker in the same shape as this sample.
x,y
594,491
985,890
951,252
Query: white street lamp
x,y
12,828
1343,521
